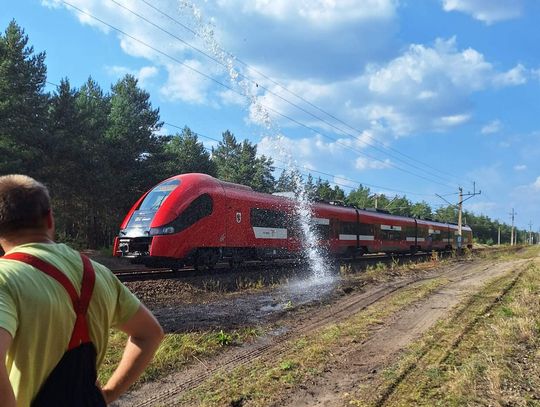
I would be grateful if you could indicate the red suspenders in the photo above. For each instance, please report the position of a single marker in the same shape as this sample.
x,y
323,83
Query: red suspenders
x,y
80,333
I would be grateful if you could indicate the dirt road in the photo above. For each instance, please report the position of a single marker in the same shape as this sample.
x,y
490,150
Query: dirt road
x,y
350,363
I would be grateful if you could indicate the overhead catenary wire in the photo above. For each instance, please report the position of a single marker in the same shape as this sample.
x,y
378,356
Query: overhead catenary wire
x,y
245,96
286,89
241,75
305,171
309,171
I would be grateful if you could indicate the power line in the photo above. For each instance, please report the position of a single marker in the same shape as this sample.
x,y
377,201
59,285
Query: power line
x,y
306,172
260,85
316,171
285,89
243,95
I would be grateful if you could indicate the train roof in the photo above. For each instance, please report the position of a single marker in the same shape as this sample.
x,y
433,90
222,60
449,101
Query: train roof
x,y
287,198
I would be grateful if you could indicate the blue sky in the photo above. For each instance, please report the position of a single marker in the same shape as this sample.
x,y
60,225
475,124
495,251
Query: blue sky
x,y
409,96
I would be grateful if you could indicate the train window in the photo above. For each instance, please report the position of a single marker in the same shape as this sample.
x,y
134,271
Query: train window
x,y
155,198
198,209
410,231
365,229
335,227
267,218
323,231
353,228
390,235
347,228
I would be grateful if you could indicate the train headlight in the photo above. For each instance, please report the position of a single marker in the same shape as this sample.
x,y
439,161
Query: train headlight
x,y
165,230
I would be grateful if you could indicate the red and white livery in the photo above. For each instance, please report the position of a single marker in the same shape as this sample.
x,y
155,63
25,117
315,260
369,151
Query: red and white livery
x,y
198,220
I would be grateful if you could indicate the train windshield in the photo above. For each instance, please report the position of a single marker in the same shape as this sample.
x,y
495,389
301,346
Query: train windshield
x,y
155,198
139,224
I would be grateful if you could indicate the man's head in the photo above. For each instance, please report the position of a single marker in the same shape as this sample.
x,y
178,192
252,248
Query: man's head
x,y
25,206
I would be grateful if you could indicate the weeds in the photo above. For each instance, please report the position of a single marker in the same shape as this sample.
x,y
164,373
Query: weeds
x,y
176,351
288,305
223,339
246,283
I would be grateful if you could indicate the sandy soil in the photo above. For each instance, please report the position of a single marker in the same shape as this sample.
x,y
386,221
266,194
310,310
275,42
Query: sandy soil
x,y
314,308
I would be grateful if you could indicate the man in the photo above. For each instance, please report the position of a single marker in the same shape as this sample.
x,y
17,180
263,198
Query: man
x,y
37,318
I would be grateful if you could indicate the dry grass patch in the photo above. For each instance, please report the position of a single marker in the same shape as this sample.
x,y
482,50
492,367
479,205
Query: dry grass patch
x,y
486,353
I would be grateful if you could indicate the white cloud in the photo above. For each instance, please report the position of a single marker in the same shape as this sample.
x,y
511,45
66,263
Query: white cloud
x,y
536,184
363,163
344,182
228,97
454,120
520,167
143,74
515,76
492,127
488,11
481,207
305,152
318,12
424,88
185,85
423,70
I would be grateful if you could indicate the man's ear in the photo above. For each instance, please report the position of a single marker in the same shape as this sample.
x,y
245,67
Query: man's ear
x,y
50,219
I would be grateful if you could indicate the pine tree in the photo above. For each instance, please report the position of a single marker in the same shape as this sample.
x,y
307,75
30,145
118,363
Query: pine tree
x,y
131,139
22,103
238,162
184,153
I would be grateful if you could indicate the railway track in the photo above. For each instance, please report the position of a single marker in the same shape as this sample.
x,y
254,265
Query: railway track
x,y
223,269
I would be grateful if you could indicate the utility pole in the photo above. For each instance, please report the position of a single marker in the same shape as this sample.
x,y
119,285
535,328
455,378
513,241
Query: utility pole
x,y
530,232
459,205
460,210
499,237
512,215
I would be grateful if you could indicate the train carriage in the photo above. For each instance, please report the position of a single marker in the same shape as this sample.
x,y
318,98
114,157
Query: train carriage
x,y
198,220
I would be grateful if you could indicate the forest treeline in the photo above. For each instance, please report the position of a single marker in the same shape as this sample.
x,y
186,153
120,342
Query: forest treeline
x,y
99,150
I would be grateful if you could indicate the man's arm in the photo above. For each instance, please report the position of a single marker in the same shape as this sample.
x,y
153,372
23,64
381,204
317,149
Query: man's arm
x,y
145,335
7,397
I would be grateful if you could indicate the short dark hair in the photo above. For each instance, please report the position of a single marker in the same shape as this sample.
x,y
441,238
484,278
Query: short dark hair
x,y
24,203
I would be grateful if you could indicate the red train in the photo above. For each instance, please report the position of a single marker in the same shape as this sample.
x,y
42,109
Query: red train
x,y
195,219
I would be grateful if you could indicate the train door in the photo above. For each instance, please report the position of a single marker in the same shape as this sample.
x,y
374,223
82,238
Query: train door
x,y
237,224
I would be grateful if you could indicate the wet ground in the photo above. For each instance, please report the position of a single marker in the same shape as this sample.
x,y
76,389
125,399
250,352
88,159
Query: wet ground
x,y
193,304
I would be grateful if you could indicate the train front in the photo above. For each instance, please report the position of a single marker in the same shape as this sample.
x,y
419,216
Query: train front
x,y
161,228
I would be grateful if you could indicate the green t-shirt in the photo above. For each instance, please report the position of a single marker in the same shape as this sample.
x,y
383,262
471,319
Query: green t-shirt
x,y
37,311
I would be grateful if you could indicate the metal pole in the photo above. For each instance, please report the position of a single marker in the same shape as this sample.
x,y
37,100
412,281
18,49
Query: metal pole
x,y
460,208
512,215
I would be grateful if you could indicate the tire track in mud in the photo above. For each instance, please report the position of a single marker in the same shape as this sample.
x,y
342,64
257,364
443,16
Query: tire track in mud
x,y
456,341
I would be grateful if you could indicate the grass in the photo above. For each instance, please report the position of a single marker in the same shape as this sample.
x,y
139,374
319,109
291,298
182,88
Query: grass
x,y
262,381
307,357
175,352
486,353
